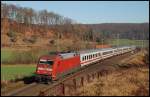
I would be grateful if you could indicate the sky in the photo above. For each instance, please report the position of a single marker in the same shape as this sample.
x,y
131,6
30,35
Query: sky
x,y
94,12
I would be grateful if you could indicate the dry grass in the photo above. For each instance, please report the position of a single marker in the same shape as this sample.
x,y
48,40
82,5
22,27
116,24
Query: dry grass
x,y
132,81
120,83
136,60
9,86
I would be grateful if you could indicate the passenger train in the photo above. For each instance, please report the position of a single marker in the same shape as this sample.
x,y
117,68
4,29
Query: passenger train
x,y
54,66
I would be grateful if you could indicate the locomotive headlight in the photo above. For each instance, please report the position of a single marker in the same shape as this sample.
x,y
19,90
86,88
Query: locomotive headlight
x,y
49,69
40,68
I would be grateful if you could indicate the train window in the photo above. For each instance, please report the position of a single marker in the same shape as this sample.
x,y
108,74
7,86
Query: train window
x,y
125,48
108,52
83,58
48,62
119,50
99,54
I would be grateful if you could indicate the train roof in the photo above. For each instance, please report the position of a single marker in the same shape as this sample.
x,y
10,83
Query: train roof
x,y
61,55
94,50
70,54
48,57
101,49
67,55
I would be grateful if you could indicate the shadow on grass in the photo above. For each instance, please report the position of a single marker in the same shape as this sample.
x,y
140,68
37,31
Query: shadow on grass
x,y
29,79
25,79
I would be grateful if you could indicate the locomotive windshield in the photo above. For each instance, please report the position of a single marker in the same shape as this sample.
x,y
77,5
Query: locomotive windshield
x,y
48,62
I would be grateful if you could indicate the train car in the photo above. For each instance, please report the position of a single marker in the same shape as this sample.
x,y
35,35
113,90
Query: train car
x,y
107,53
90,56
93,56
52,67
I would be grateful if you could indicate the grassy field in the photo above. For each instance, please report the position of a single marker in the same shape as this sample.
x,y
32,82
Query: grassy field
x,y
15,56
11,72
124,42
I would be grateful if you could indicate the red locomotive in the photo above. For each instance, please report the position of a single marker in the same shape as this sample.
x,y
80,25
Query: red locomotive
x,y
52,67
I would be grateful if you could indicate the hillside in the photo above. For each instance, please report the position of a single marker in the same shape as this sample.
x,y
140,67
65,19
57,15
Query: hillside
x,y
136,31
25,27
36,35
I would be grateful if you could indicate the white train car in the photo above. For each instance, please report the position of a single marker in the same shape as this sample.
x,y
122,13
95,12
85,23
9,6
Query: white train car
x,y
91,56
107,53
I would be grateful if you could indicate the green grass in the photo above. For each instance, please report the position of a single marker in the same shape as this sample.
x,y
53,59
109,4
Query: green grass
x,y
123,42
11,72
9,56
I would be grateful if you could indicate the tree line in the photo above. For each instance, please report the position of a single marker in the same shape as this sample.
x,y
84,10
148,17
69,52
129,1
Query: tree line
x,y
29,16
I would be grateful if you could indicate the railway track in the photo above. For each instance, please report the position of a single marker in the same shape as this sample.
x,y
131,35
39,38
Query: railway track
x,y
34,88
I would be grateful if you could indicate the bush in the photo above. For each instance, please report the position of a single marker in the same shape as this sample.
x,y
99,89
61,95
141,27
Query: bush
x,y
12,35
146,59
32,39
52,42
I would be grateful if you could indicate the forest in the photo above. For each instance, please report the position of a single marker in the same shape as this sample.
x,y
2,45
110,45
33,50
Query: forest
x,y
26,26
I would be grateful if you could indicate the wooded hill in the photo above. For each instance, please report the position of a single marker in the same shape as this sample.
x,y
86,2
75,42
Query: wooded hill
x,y
25,26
